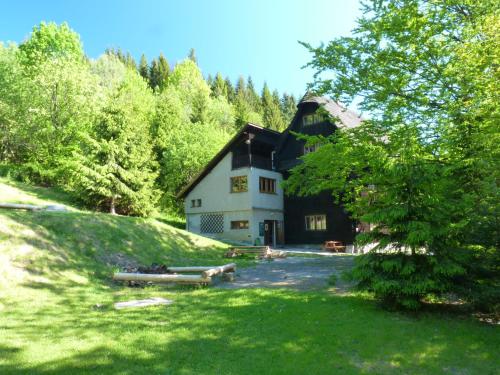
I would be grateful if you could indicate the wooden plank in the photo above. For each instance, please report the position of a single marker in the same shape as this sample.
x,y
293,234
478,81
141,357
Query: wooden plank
x,y
189,269
163,278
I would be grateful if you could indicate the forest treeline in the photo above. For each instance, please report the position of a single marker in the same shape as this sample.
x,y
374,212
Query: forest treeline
x,y
122,136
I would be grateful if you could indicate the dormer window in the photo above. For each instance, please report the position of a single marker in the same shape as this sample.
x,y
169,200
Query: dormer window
x,y
313,118
310,148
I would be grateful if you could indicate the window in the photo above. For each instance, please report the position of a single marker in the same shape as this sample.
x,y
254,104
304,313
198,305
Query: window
x,y
316,222
267,185
212,223
311,148
313,118
239,184
239,224
195,202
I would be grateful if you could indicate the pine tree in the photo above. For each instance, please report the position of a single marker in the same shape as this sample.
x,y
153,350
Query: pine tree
x,y
288,107
115,167
271,110
210,80
192,56
163,71
159,72
252,96
231,92
219,88
144,68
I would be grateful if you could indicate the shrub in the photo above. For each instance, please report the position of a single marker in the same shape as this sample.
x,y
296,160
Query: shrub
x,y
401,280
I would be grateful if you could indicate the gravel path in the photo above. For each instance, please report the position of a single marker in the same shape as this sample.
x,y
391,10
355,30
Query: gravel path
x,y
294,272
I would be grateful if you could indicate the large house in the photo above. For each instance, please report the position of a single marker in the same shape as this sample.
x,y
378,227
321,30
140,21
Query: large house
x,y
238,196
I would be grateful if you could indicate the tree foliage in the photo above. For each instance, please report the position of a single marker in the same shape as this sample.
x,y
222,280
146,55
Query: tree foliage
x,y
423,170
114,168
92,127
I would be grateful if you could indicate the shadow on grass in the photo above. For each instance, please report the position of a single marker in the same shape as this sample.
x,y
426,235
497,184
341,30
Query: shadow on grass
x,y
246,332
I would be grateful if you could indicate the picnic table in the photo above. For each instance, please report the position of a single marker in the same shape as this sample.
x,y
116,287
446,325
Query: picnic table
x,y
334,246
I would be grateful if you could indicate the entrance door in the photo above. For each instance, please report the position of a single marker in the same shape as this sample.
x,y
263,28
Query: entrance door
x,y
269,232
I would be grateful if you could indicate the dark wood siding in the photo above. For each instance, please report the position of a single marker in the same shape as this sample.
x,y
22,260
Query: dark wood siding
x,y
339,227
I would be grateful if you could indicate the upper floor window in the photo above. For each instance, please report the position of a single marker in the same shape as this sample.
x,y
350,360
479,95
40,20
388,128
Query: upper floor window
x,y
313,118
239,184
267,185
195,202
311,148
316,222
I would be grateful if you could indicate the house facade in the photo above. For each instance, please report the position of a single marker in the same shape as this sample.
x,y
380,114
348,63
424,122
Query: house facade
x,y
238,196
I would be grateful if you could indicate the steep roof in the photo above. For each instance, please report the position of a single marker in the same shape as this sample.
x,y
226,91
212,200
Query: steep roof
x,y
249,127
348,118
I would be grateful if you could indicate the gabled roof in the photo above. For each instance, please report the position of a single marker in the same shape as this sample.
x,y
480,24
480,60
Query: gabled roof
x,y
249,127
347,118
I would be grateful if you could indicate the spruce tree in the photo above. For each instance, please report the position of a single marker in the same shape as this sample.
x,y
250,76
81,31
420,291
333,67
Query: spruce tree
x,y
271,110
231,92
219,87
288,107
115,169
144,68
192,56
252,96
154,75
163,70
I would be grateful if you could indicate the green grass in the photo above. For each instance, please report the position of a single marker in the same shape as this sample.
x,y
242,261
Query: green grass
x,y
57,316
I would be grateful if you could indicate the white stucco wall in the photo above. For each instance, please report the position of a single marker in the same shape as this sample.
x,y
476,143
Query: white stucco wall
x,y
264,200
239,235
215,190
216,197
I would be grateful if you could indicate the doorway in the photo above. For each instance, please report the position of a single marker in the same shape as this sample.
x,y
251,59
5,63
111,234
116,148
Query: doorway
x,y
269,232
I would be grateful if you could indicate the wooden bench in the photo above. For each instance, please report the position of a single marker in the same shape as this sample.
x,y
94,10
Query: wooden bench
x,y
259,251
334,246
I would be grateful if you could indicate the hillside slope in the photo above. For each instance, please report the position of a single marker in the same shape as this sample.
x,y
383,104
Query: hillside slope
x,y
80,245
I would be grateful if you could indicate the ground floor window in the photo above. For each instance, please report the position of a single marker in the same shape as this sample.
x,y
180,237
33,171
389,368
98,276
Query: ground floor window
x,y
316,222
212,223
239,224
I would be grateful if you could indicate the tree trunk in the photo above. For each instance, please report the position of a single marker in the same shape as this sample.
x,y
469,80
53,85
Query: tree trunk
x,y
112,209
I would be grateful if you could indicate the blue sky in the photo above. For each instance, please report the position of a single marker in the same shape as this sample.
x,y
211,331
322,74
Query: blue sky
x,y
253,37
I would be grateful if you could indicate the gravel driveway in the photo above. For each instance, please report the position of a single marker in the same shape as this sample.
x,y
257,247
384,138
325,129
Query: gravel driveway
x,y
294,272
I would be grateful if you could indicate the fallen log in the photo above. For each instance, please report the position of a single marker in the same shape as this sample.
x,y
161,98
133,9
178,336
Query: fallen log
x,y
163,278
16,206
216,270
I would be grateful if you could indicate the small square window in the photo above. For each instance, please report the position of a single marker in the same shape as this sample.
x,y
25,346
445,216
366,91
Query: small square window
x,y
239,184
198,203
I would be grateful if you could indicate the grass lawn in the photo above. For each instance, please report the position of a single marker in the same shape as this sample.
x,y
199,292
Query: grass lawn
x,y
57,316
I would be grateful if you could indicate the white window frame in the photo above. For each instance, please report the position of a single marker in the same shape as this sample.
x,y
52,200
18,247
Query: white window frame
x,y
315,222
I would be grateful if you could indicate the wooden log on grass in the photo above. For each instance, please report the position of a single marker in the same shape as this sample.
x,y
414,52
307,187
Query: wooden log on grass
x,y
16,206
217,270
189,269
161,278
